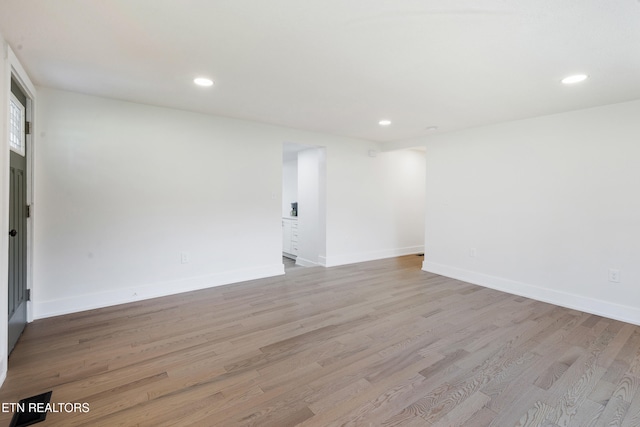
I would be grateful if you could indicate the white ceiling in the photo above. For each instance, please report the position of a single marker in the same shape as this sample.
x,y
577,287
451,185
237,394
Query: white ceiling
x,y
337,66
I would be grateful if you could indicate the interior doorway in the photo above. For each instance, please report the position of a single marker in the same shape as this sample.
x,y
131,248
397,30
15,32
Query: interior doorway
x,y
303,205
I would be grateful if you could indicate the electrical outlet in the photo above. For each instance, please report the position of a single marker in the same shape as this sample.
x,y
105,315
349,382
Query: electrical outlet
x,y
614,275
473,252
184,257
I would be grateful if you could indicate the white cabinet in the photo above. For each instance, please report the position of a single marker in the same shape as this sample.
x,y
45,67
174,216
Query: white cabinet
x,y
290,237
294,237
286,236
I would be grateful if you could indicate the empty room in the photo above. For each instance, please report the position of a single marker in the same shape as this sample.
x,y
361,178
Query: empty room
x,y
320,213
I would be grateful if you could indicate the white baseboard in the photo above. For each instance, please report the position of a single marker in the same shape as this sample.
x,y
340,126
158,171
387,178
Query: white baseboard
x,y
611,310
333,261
78,303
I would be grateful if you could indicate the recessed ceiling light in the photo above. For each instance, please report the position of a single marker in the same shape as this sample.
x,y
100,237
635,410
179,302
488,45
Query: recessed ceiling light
x,y
203,81
432,128
384,122
576,78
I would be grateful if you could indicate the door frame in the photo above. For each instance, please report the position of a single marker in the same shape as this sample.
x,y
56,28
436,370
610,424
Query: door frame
x,y
14,69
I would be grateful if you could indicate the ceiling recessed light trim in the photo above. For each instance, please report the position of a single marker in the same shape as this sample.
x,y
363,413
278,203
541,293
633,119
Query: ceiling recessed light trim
x,y
575,78
432,128
203,81
384,122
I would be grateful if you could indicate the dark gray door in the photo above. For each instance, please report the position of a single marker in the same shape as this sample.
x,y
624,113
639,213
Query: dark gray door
x,y
18,233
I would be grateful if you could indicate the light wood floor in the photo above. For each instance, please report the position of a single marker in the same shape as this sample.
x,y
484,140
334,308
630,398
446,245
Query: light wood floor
x,y
377,343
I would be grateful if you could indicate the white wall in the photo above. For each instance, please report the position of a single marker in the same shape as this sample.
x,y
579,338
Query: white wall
x,y
289,185
549,204
123,188
377,205
311,207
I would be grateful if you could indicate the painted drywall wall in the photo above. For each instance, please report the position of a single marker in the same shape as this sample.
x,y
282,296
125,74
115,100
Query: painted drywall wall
x,y
122,189
126,189
541,207
289,185
384,215
311,206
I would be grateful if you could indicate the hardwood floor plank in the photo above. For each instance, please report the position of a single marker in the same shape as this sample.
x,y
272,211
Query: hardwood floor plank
x,y
461,414
632,417
338,396
527,407
510,393
403,385
537,416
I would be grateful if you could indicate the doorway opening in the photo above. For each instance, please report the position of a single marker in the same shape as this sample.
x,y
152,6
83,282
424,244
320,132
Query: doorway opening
x,y
303,205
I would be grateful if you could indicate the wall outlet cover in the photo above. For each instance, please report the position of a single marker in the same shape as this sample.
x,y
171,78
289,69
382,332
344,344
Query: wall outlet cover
x,y
614,275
